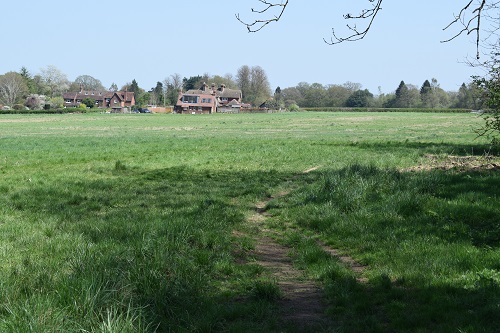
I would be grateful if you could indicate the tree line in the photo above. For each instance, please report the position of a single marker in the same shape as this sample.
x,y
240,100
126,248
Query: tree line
x,y
22,89
45,89
350,94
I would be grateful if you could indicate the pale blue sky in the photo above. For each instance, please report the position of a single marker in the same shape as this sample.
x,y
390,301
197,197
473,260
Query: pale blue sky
x,y
117,41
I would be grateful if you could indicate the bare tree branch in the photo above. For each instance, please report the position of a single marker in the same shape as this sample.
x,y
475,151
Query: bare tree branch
x,y
468,25
469,18
257,25
366,14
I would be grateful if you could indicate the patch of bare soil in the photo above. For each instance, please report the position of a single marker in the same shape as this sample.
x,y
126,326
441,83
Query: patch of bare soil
x,y
458,163
302,303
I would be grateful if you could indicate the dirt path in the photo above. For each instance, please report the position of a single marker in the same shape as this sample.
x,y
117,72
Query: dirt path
x,y
302,305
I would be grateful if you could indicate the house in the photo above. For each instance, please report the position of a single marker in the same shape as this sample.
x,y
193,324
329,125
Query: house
x,y
196,103
208,100
116,100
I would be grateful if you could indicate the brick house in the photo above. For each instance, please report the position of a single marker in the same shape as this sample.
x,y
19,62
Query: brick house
x,y
208,100
116,100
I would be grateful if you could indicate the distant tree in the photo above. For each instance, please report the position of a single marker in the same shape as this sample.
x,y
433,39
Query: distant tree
x,y
315,95
243,78
134,87
463,97
156,94
28,79
13,88
172,85
360,98
337,95
40,87
426,87
254,84
278,97
352,86
227,80
89,102
86,82
291,95
54,79
413,96
140,95
194,82
426,94
259,86
113,87
402,96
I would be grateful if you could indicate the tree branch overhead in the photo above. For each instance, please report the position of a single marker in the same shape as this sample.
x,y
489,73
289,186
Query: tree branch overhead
x,y
470,18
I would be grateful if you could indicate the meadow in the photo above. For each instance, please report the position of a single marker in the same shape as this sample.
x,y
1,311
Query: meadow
x,y
140,222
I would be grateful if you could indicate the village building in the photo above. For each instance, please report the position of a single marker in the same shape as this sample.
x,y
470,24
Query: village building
x,y
118,101
209,100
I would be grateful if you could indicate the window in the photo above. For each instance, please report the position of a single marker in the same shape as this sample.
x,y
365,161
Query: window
x,y
206,100
190,99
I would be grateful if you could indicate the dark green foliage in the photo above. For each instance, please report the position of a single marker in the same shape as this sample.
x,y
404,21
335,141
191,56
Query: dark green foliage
x,y
194,82
426,88
89,102
402,98
359,99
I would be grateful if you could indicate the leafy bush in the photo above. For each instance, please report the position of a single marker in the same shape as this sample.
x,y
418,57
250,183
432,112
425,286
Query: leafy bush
x,y
293,108
490,92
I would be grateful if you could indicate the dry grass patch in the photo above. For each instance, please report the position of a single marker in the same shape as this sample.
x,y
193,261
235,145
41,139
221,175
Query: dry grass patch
x,y
458,163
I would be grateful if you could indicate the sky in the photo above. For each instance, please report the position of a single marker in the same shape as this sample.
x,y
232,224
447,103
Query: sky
x,y
118,41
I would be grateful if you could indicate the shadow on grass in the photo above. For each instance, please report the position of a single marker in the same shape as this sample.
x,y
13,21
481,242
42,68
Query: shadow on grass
x,y
432,148
159,242
386,306
430,240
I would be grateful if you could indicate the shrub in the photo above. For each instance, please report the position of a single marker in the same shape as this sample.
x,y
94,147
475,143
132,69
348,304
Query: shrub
x,y
293,108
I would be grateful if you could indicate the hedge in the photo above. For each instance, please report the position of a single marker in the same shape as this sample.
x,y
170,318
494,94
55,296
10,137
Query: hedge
x,y
425,110
49,111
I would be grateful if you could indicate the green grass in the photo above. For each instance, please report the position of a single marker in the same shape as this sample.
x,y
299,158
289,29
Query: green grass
x,y
124,223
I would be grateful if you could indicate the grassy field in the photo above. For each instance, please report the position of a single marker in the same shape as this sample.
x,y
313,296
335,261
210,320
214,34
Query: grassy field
x,y
139,223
